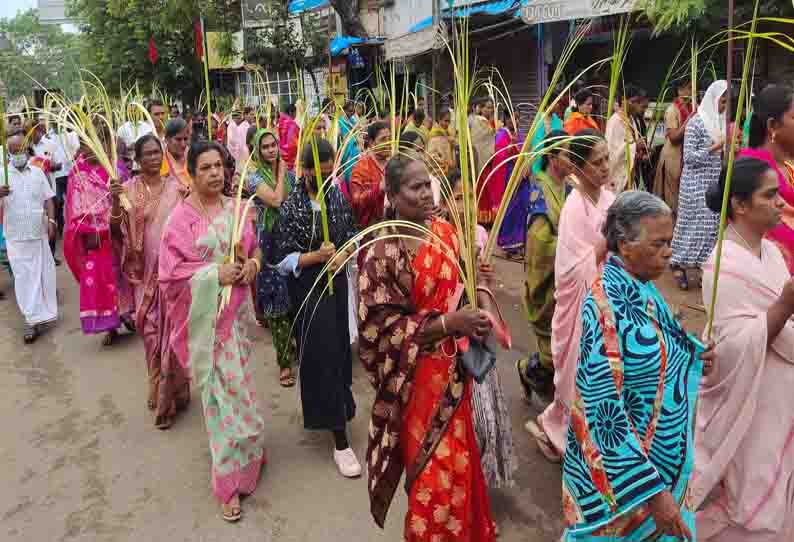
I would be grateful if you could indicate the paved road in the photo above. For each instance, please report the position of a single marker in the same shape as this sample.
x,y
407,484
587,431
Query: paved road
x,y
82,461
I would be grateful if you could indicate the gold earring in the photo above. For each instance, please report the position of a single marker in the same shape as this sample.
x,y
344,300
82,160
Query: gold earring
x,y
772,137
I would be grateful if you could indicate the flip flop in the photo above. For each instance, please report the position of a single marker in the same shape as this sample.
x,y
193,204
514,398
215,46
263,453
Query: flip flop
x,y
232,514
287,380
544,443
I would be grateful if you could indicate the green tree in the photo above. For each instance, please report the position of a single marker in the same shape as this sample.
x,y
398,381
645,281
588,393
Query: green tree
x,y
708,16
117,34
288,42
40,56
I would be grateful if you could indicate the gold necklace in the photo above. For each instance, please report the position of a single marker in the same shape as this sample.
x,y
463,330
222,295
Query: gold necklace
x,y
149,189
743,240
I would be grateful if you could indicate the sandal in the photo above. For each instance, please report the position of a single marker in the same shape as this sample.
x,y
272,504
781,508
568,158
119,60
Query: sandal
x,y
679,273
110,336
31,334
129,324
232,512
544,443
286,378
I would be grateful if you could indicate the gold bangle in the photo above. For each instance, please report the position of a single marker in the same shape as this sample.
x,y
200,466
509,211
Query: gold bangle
x,y
256,263
444,325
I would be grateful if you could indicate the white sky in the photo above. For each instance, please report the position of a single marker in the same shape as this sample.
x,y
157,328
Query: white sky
x,y
9,8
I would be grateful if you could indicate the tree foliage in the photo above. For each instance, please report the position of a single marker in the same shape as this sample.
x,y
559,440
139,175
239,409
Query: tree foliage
x,y
708,15
288,41
41,53
348,14
117,33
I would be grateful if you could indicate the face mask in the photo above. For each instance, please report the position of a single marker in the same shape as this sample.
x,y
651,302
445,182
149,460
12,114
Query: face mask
x,y
19,161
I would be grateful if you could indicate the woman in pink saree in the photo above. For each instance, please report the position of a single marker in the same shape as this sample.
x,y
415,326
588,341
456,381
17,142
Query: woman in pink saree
x,y
92,253
772,140
153,198
744,464
581,249
209,336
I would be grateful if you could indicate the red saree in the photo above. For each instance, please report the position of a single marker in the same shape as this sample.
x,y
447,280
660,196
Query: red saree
x,y
422,418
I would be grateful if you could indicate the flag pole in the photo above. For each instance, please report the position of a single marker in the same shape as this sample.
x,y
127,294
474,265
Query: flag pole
x,y
206,61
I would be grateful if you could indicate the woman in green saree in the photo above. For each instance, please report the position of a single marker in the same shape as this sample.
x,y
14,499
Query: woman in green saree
x,y
272,183
547,195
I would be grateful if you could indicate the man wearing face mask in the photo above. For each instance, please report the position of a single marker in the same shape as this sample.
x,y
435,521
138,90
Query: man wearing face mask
x,y
29,223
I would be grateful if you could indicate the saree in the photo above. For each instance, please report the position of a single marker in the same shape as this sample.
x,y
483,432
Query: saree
x,y
142,230
272,295
782,234
671,160
511,234
215,346
546,200
550,124
744,466
367,199
622,137
171,168
105,295
575,269
488,189
422,415
631,430
577,122
288,131
322,326
350,154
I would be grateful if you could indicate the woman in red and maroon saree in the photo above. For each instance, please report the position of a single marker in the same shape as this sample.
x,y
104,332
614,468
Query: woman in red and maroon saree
x,y
422,416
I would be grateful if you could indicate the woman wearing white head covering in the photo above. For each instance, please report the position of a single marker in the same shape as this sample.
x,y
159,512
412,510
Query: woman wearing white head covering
x,y
696,227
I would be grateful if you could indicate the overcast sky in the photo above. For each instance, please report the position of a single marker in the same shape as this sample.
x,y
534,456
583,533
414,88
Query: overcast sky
x,y
9,8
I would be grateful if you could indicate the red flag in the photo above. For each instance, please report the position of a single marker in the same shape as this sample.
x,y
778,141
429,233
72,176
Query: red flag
x,y
153,56
199,40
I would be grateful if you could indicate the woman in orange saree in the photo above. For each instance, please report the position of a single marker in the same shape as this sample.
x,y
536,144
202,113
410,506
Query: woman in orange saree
x,y
422,416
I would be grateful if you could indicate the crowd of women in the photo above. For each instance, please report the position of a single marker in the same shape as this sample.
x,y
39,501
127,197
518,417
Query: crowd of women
x,y
660,436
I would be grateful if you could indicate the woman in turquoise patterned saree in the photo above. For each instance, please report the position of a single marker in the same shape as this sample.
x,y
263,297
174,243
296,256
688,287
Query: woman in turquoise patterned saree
x,y
629,454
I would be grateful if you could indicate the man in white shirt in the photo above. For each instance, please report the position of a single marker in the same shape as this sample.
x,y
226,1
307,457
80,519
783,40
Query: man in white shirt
x,y
235,136
67,144
28,223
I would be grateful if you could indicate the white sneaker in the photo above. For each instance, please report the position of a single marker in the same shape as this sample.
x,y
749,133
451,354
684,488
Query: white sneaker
x,y
347,463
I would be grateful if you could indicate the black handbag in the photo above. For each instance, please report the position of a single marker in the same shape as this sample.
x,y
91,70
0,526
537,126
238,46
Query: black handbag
x,y
480,358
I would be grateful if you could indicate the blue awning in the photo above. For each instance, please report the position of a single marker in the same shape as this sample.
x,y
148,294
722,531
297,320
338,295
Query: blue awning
x,y
494,7
299,6
340,43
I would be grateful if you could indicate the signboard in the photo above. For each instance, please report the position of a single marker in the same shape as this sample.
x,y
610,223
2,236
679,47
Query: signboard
x,y
547,11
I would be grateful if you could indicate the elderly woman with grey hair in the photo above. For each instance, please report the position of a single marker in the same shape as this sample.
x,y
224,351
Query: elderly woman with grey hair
x,y
629,453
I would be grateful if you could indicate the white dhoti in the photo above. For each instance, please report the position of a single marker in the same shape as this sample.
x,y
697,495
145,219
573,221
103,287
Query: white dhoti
x,y
34,280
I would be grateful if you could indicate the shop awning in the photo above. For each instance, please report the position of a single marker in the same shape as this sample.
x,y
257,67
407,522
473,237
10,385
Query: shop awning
x,y
494,7
341,43
423,37
299,6
415,43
